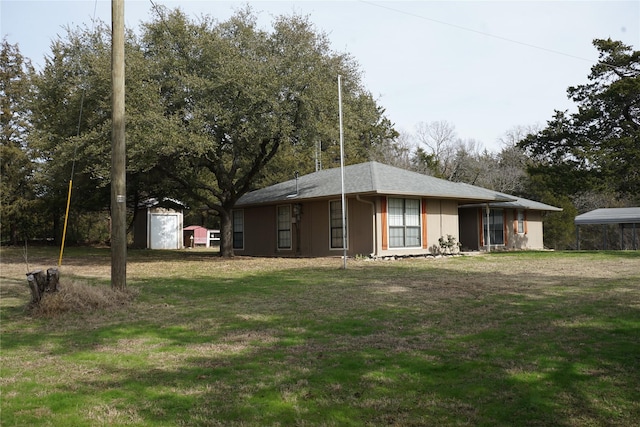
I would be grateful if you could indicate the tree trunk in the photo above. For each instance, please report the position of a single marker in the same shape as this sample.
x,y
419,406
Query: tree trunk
x,y
226,233
53,279
36,280
40,282
14,234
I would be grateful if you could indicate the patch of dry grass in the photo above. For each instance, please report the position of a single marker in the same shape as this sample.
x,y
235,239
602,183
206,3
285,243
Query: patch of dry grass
x,y
78,297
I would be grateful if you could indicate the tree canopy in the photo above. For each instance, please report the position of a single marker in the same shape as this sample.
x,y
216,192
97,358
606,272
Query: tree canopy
x,y
590,158
214,109
17,187
243,99
71,115
597,147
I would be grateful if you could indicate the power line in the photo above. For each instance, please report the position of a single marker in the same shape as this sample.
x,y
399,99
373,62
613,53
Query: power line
x,y
482,33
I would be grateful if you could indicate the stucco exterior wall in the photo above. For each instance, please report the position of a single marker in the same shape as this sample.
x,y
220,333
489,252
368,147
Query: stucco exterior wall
x,y
442,220
310,234
538,229
438,218
368,228
534,230
361,226
259,231
532,236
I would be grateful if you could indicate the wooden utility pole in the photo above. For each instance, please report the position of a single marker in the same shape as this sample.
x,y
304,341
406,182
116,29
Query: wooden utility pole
x,y
118,151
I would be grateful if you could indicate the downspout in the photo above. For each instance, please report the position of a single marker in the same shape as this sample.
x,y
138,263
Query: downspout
x,y
375,224
488,242
440,215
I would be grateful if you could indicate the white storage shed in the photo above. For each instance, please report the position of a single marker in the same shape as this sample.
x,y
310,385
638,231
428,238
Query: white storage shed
x,y
158,224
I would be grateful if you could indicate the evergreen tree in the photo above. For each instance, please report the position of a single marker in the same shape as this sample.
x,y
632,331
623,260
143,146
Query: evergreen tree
x,y
18,207
598,147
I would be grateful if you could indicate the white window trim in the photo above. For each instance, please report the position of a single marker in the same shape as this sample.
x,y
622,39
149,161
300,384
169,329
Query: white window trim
x,y
520,214
346,212
420,225
283,248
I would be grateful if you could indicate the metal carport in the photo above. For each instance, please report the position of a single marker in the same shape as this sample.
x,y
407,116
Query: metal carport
x,y
624,217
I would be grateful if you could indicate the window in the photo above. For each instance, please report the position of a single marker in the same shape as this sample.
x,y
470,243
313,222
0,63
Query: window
x,y
335,219
404,223
496,227
520,222
238,229
284,227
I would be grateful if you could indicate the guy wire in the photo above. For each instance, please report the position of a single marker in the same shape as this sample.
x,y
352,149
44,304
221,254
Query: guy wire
x,y
75,151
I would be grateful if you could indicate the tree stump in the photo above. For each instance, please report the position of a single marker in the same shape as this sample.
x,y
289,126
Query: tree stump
x,y
40,282
53,278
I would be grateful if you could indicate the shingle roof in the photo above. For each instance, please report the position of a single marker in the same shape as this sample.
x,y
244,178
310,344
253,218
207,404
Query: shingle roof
x,y
370,178
520,203
610,216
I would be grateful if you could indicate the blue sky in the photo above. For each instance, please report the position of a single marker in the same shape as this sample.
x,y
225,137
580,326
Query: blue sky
x,y
484,66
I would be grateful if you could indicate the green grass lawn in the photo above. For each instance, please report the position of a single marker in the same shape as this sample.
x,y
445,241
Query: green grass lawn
x,y
513,339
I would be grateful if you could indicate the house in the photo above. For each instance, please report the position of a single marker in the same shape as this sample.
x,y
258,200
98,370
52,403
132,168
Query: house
x,y
158,224
389,212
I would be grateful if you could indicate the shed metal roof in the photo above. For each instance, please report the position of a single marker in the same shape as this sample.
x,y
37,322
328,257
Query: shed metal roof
x,y
165,202
370,178
610,216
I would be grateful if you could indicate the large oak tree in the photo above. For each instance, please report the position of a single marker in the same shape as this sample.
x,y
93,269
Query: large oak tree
x,y
252,103
213,110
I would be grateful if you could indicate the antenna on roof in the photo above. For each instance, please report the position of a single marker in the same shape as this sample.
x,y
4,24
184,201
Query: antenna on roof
x,y
318,155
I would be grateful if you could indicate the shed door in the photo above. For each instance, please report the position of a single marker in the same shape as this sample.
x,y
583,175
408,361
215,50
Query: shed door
x,y
164,232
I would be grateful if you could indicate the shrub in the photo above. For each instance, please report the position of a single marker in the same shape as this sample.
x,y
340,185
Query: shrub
x,y
449,245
